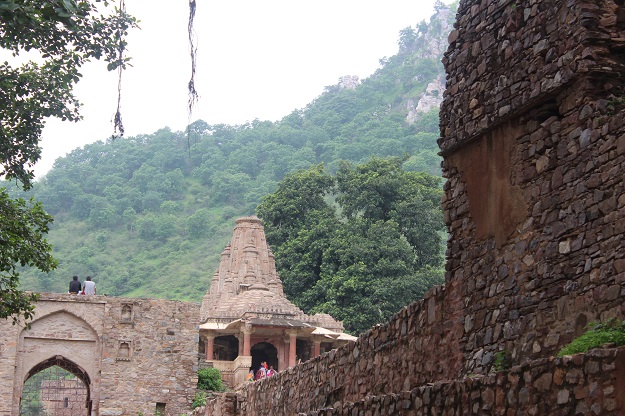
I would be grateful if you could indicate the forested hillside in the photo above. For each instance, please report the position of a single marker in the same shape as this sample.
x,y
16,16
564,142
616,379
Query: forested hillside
x,y
148,216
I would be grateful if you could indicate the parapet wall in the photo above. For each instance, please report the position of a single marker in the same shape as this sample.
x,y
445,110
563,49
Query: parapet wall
x,y
417,347
583,384
578,385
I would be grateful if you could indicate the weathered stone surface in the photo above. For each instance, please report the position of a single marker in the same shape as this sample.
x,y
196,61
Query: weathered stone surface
x,y
158,363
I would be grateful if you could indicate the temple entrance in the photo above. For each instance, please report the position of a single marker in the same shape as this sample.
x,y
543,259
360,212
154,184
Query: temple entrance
x,y
56,387
264,351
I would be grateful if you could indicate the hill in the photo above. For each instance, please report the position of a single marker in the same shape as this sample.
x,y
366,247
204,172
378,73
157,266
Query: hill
x,y
148,216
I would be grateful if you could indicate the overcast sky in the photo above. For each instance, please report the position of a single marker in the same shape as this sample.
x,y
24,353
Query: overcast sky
x,y
256,59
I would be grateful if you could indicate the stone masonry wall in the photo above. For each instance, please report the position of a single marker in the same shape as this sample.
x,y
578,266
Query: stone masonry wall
x,y
415,348
136,352
534,147
583,384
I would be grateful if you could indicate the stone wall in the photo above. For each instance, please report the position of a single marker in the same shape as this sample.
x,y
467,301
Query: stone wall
x,y
534,147
582,384
417,347
135,352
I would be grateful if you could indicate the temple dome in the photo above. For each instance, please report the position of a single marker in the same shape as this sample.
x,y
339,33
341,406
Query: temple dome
x,y
257,300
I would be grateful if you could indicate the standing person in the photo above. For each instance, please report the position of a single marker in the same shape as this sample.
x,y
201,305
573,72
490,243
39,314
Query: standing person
x,y
262,371
89,287
74,286
271,372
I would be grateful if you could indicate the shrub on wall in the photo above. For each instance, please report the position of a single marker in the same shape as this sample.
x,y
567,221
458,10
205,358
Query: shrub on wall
x,y
610,332
210,379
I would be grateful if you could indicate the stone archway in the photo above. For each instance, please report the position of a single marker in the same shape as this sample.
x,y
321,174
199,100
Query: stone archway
x,y
59,339
264,351
56,386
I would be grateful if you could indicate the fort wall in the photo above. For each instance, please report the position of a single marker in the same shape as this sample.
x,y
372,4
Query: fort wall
x,y
534,148
583,384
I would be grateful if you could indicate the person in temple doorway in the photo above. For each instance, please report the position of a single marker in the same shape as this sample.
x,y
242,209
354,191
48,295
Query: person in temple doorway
x,y
74,286
89,287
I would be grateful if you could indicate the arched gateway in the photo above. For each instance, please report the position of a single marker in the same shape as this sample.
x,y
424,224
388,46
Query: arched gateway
x,y
246,302
58,353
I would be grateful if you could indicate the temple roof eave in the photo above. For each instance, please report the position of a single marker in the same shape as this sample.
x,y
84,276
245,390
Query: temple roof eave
x,y
215,326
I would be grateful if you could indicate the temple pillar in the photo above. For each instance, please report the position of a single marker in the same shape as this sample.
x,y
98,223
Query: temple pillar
x,y
210,346
292,348
240,339
316,347
247,333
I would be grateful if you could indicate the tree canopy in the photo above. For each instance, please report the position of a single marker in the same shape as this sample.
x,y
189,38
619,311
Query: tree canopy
x,y
64,34
358,245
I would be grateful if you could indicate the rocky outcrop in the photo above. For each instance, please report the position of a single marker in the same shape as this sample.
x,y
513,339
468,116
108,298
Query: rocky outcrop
x,y
348,82
431,98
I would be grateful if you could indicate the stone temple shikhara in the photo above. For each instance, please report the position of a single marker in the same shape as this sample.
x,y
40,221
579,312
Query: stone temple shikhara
x,y
247,319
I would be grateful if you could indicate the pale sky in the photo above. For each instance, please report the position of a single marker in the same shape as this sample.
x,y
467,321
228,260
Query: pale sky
x,y
256,59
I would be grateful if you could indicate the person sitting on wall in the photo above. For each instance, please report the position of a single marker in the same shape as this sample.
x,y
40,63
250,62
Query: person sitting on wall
x,y
74,286
250,376
89,287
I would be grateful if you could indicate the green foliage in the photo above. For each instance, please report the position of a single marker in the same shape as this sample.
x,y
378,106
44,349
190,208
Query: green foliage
x,y
199,400
134,211
364,258
66,34
210,379
598,334
502,360
22,229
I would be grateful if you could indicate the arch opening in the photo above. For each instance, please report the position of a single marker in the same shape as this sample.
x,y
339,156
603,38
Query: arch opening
x,y
58,387
264,351
226,348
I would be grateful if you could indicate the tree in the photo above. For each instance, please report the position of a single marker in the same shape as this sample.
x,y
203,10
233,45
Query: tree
x,y
66,34
365,260
22,229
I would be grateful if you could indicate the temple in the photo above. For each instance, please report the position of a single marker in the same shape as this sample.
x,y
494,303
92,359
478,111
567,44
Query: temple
x,y
246,318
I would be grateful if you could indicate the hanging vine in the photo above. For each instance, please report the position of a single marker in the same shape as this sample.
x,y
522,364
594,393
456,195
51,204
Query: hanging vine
x,y
119,64
193,95
118,125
